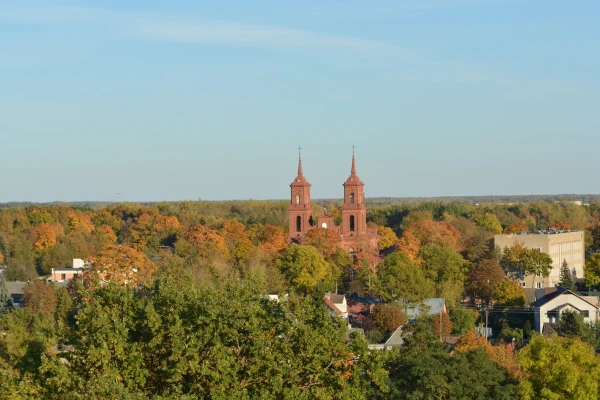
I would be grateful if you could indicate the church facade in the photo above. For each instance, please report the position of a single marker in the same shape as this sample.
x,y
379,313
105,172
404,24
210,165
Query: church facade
x,y
353,228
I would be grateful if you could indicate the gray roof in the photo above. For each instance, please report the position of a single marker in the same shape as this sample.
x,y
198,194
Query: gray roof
x,y
435,306
559,291
337,298
396,339
15,287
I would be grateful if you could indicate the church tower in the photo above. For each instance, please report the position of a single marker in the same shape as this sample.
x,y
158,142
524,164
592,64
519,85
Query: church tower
x,y
300,209
354,209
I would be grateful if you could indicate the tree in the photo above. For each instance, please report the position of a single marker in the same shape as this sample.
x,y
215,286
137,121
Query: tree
x,y
121,264
305,267
5,299
572,325
483,279
434,232
387,237
39,297
443,325
516,228
519,259
488,221
401,279
591,270
566,278
1,258
388,317
559,367
509,293
46,236
463,319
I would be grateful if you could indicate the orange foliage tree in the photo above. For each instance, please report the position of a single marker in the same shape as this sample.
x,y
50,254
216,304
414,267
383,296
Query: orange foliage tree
x,y
1,257
425,232
81,221
445,328
46,236
409,244
199,241
517,228
237,240
560,226
504,355
105,235
121,264
270,239
325,240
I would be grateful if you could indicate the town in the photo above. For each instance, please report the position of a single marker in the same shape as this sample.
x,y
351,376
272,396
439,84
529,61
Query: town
x,y
508,286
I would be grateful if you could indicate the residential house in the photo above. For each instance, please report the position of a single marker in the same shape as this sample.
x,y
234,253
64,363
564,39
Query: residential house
x,y
67,273
337,304
547,310
426,307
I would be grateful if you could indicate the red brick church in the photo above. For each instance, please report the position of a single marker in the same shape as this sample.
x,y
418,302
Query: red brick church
x,y
353,227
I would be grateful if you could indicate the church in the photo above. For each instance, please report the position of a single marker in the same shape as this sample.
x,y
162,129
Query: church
x,y
353,227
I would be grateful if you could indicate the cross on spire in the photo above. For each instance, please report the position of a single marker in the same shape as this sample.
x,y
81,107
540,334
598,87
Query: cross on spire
x,y
352,149
299,161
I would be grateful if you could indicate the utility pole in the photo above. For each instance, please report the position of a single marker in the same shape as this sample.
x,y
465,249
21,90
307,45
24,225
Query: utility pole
x,y
441,322
486,324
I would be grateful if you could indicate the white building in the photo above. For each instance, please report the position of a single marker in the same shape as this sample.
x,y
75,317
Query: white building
x,y
547,310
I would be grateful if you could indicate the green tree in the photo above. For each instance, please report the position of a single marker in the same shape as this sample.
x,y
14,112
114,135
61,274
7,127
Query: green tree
x,y
5,299
463,319
519,259
401,279
591,270
444,266
559,368
305,267
572,325
566,278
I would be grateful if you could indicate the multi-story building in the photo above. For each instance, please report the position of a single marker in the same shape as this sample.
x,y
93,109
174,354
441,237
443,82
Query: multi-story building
x,y
559,245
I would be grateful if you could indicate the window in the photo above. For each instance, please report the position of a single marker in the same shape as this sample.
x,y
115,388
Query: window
x,y
351,198
352,222
297,199
298,224
585,314
351,252
539,285
63,277
523,284
324,225
553,316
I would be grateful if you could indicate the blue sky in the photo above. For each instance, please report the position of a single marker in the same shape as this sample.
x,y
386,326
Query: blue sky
x,y
179,100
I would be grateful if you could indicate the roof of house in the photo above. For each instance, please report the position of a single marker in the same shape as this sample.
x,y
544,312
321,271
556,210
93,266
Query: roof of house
x,y
337,298
396,339
331,306
533,294
15,287
558,292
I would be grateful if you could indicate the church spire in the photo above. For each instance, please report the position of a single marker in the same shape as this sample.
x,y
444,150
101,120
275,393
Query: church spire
x,y
299,162
353,171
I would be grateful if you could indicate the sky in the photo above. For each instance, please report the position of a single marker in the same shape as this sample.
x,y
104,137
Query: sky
x,y
186,100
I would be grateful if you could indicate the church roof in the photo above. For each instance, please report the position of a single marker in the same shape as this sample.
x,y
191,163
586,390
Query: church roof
x,y
300,179
353,179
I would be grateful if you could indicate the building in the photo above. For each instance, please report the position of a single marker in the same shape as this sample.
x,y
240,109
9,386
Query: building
x,y
547,310
559,245
426,307
68,273
353,227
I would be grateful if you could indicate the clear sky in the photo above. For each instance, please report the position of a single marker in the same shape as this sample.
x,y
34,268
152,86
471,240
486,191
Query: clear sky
x,y
179,100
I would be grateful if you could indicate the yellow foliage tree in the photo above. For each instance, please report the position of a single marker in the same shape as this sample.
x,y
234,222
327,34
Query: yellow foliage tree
x,y
387,237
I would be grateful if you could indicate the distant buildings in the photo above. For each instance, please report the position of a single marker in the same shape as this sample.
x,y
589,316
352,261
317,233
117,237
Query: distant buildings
x,y
559,245
67,273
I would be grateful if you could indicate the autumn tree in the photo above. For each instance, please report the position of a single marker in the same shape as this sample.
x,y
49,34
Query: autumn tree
x,y
591,270
387,237
444,266
326,241
388,317
443,325
426,232
237,240
516,228
199,242
46,236
121,264
105,235
481,282
268,238
509,293
1,258
39,297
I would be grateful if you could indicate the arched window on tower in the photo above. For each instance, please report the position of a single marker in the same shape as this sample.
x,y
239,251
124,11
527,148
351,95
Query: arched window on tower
x,y
297,199
352,222
298,224
351,198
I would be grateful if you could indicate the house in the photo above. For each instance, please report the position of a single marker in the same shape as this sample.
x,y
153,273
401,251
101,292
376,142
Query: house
x,y
15,291
547,309
337,304
426,307
361,305
68,273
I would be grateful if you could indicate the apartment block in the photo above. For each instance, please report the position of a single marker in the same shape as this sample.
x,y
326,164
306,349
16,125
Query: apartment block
x,y
559,245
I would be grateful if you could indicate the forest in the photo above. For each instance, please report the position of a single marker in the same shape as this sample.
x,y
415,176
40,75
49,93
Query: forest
x,y
174,303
